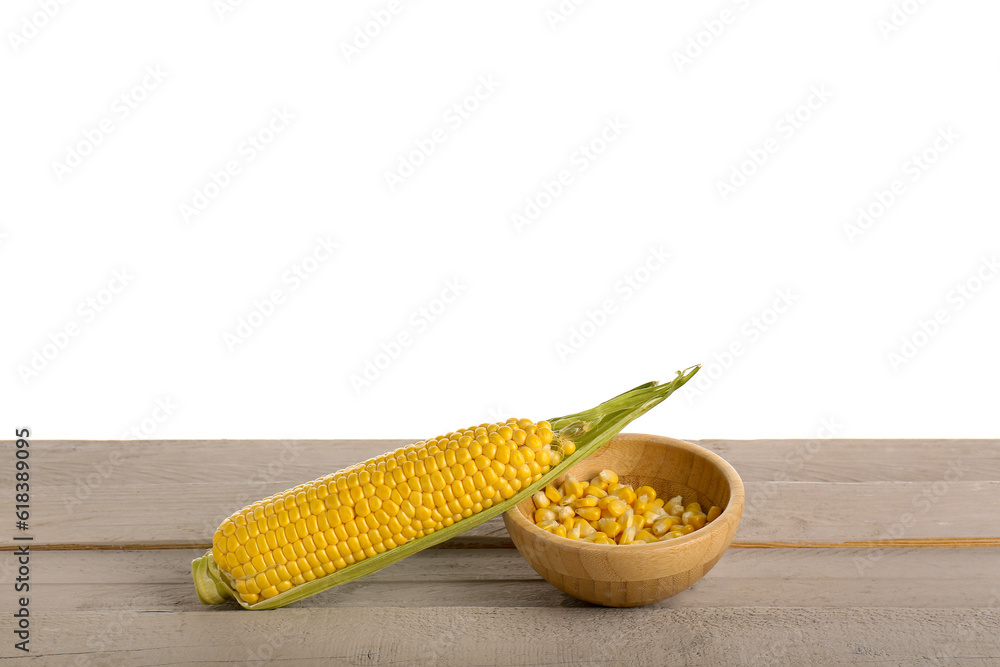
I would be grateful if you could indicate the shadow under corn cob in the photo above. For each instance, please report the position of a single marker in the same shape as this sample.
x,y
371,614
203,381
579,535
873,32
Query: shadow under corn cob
x,y
356,521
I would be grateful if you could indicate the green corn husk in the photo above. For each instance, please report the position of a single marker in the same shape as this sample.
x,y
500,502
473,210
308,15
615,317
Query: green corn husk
x,y
588,430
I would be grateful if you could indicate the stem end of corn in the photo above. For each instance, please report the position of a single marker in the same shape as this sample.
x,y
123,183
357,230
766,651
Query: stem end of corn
x,y
211,589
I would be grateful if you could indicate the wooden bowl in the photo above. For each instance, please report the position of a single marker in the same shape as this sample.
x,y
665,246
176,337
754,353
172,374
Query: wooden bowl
x,y
633,575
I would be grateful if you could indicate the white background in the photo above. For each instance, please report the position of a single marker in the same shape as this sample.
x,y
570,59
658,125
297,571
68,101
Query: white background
x,y
893,77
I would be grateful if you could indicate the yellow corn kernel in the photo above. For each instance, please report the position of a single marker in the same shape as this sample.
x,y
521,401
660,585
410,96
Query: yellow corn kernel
x,y
586,501
595,491
617,507
608,477
517,459
589,513
609,527
713,514
626,493
544,514
574,486
564,512
662,526
541,500
627,520
552,493
693,507
645,536
647,491
567,500
543,458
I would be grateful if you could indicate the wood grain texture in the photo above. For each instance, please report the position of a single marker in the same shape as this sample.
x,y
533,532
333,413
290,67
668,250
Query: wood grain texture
x,y
791,595
294,461
431,635
858,460
912,578
756,607
88,489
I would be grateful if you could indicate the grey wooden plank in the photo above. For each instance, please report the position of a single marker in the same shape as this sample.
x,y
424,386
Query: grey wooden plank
x,y
859,460
389,635
921,578
177,513
177,492
798,606
295,461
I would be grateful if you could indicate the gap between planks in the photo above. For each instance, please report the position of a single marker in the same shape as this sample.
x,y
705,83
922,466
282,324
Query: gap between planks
x,y
928,542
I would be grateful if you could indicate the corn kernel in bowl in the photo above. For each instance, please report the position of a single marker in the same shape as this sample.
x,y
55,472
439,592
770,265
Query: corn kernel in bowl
x,y
605,511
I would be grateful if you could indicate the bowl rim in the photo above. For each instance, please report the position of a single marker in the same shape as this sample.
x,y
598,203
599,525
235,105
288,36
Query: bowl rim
x,y
729,514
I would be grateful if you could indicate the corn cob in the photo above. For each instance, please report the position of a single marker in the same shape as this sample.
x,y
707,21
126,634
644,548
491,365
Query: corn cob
x,y
353,522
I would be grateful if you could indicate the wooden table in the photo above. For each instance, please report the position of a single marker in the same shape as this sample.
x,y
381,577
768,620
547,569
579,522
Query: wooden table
x,y
850,552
